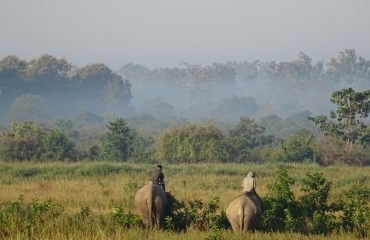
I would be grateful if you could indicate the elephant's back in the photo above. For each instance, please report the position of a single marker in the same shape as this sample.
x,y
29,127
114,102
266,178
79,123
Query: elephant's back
x,y
243,203
234,206
143,194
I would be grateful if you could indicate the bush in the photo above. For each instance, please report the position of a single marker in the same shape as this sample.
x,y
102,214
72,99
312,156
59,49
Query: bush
x,y
356,210
116,142
247,139
196,214
297,148
124,219
23,142
319,218
282,210
192,143
20,217
56,146
176,214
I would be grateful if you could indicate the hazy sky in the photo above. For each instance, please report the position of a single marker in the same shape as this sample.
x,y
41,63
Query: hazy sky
x,y
169,32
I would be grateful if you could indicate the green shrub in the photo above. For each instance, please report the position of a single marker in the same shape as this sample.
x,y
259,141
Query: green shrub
x,y
196,214
116,142
24,218
125,219
192,143
297,148
23,142
356,210
282,210
319,218
56,146
245,138
176,214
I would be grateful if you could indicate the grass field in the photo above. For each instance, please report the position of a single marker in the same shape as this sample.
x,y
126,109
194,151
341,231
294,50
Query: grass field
x,y
101,186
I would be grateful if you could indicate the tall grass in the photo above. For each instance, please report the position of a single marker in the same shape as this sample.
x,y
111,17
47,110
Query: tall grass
x,y
101,186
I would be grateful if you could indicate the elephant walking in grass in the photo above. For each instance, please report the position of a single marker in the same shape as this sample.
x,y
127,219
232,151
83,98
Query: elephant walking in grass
x,y
245,211
151,202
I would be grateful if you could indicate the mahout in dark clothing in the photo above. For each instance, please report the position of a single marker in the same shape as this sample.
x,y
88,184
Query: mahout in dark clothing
x,y
158,177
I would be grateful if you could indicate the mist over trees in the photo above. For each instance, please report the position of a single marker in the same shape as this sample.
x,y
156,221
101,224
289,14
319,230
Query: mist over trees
x,y
51,87
245,111
280,88
48,87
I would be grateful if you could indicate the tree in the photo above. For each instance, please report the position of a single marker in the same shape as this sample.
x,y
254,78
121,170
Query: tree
x,y
28,107
158,108
348,119
12,71
117,141
298,148
231,109
22,142
100,89
192,143
85,119
56,146
349,66
117,96
245,136
315,202
282,211
195,78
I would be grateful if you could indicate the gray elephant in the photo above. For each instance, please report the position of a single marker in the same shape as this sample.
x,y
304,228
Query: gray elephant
x,y
245,211
151,202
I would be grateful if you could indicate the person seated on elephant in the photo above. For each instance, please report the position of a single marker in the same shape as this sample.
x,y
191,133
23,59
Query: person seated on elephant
x,y
158,177
249,183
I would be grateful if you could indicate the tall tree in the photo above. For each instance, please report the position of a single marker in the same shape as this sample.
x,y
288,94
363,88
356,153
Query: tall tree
x,y
117,141
195,77
247,135
348,120
12,73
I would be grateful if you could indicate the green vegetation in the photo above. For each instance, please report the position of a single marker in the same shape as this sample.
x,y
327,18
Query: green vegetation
x,y
352,110
192,143
96,200
22,142
56,146
299,147
117,141
69,197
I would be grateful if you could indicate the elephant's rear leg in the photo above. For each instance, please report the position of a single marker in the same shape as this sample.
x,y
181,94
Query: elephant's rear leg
x,y
235,226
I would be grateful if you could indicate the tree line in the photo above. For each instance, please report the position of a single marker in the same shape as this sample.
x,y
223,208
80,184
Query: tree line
x,y
227,90
48,87
347,139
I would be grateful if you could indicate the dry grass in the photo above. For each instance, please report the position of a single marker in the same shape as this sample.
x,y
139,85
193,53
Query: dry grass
x,y
102,186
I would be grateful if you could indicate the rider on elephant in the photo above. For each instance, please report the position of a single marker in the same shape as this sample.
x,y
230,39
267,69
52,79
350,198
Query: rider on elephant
x,y
158,177
249,183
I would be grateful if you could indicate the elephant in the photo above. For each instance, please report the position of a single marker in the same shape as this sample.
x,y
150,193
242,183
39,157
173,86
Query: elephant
x,y
245,211
151,203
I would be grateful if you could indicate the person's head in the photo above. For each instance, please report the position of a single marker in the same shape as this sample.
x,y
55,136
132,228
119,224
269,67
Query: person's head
x,y
159,166
251,174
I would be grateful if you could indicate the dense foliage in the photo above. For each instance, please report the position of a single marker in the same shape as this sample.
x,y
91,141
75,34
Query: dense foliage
x,y
310,213
192,143
48,86
348,120
71,113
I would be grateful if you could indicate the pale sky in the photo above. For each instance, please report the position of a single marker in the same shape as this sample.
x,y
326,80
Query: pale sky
x,y
159,33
